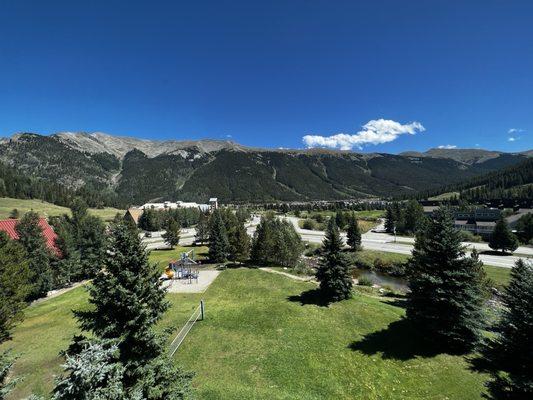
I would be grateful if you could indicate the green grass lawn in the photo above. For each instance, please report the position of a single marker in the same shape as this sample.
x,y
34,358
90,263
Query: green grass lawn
x,y
48,209
500,276
163,257
261,341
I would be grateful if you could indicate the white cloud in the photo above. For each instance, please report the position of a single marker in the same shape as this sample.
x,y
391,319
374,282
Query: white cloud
x,y
512,139
447,146
376,131
514,130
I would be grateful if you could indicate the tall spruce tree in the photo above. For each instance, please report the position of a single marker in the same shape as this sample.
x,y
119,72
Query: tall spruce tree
x,y
202,228
502,238
239,241
127,300
333,273
509,355
390,221
172,234
14,288
353,233
447,291
32,239
218,238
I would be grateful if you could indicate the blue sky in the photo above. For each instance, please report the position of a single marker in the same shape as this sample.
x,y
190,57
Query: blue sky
x,y
376,75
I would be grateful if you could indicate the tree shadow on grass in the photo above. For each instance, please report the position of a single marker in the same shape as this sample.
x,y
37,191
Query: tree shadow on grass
x,y
312,296
399,341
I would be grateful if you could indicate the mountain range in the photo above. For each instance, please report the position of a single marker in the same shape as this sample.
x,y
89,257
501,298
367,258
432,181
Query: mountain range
x,y
136,170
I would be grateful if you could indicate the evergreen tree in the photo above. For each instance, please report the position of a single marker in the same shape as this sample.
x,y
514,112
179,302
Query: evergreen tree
x,y
502,238
95,373
333,273
524,226
276,241
32,239
218,238
353,233
414,213
239,241
390,222
202,229
172,234
14,284
447,291
14,288
340,219
127,300
14,214
150,220
509,356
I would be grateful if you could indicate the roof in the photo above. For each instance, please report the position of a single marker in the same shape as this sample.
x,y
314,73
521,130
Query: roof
x,y
8,226
135,213
213,199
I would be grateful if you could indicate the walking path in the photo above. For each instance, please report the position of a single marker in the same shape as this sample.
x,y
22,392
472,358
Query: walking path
x,y
295,277
54,293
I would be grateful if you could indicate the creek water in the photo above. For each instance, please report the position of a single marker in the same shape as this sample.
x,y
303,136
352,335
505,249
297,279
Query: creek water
x,y
377,278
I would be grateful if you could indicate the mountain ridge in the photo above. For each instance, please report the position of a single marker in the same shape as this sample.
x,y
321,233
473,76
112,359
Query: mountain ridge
x,y
135,170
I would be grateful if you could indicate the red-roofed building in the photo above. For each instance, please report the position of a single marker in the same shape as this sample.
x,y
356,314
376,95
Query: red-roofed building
x,y
8,226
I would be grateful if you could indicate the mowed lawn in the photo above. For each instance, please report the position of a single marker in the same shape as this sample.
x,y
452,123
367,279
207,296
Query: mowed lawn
x,y
48,209
259,341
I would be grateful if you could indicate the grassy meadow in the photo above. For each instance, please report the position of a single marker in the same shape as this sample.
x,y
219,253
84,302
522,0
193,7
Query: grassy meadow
x,y
265,338
48,209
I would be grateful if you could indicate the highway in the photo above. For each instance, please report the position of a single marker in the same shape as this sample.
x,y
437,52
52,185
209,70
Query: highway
x,y
372,240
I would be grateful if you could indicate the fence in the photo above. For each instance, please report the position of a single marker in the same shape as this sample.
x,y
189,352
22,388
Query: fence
x,y
198,314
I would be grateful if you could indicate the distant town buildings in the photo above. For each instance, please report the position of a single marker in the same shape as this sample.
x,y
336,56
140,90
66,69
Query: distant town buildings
x,y
481,221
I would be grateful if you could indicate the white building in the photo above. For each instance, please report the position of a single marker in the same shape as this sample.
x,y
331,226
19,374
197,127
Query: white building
x,y
169,205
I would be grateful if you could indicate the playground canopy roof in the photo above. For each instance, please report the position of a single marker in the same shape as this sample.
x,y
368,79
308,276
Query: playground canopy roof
x,y
8,226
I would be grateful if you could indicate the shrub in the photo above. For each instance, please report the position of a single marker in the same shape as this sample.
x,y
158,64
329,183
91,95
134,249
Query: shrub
x,y
364,281
309,224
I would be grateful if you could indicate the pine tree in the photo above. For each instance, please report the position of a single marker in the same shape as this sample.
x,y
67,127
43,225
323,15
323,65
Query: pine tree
x,y
333,272
32,239
353,234
172,234
390,222
239,241
14,288
95,373
14,284
202,229
127,300
447,291
414,213
509,356
276,241
218,239
502,238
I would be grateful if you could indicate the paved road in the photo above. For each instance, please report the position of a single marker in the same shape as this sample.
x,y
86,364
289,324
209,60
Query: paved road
x,y
380,241
373,240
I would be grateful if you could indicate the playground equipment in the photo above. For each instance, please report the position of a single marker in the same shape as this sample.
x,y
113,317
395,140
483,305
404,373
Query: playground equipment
x,y
183,268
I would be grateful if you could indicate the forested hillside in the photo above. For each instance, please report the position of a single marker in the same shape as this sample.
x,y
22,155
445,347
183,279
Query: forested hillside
x,y
120,171
515,182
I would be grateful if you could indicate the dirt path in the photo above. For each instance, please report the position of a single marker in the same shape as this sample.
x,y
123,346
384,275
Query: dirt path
x,y
295,277
54,293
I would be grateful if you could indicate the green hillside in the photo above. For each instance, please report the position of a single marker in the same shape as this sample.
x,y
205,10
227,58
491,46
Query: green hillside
x,y
47,209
